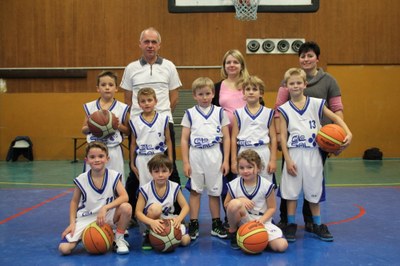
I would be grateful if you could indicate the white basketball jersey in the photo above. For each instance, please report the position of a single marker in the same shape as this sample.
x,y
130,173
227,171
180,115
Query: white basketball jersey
x,y
149,194
253,128
262,190
303,125
93,199
150,137
119,109
205,129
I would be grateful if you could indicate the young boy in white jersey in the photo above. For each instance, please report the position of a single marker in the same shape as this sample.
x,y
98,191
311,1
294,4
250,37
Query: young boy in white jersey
x,y
205,147
300,120
253,128
252,198
150,135
157,198
107,87
100,197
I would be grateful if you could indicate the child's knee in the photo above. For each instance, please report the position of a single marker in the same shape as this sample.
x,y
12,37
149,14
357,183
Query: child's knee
x,y
126,209
65,248
234,206
279,245
154,211
185,241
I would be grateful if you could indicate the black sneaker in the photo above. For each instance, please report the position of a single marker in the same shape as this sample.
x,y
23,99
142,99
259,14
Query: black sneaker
x,y
309,227
322,232
146,241
193,229
218,229
226,224
282,225
290,232
232,237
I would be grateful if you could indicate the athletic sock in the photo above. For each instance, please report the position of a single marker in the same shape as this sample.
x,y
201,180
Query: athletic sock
x,y
317,220
291,219
119,234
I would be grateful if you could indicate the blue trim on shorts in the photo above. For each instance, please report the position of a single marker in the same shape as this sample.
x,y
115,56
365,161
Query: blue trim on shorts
x,y
188,185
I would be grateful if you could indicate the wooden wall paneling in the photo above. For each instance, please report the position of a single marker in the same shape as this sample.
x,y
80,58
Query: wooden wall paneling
x,y
74,33
361,33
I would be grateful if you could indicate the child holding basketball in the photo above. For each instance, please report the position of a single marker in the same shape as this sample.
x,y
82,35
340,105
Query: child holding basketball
x,y
100,197
157,198
205,131
253,128
300,120
252,198
150,135
107,87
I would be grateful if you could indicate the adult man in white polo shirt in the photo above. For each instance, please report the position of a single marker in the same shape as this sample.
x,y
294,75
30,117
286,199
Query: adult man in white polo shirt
x,y
158,73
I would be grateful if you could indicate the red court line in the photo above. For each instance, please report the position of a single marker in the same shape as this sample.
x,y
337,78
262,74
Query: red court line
x,y
36,206
361,213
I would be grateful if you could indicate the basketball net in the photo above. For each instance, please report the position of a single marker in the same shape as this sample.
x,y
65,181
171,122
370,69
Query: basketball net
x,y
246,9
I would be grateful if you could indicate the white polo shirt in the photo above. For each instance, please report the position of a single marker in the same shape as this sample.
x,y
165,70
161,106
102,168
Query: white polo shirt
x,y
162,76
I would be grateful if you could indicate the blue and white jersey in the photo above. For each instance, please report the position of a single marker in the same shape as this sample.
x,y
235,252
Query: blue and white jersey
x,y
303,125
167,200
258,195
119,109
93,198
150,136
253,128
205,128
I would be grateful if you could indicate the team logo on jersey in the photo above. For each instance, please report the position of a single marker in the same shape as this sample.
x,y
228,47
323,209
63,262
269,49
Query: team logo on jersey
x,y
205,142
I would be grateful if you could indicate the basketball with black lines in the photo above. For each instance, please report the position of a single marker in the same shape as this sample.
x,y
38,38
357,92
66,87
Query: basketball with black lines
x,y
98,239
168,240
252,237
102,123
330,137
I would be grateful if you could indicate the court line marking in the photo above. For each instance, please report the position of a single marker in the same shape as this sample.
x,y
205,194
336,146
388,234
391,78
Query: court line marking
x,y
37,184
36,206
360,214
365,185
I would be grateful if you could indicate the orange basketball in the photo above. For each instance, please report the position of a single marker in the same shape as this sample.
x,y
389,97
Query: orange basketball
x,y
98,239
252,237
102,123
330,137
166,241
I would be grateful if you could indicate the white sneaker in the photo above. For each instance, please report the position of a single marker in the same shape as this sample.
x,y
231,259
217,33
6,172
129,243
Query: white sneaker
x,y
121,246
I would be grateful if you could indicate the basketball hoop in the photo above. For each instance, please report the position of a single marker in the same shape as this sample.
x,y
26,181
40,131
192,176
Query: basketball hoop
x,y
246,9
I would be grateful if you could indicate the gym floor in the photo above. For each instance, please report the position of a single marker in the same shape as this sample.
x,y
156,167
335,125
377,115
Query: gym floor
x,y
360,211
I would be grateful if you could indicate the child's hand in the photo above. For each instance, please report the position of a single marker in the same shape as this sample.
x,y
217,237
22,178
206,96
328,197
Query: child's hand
x,y
271,167
346,143
291,168
101,216
248,204
69,229
225,168
234,167
157,226
260,221
187,170
134,169
176,222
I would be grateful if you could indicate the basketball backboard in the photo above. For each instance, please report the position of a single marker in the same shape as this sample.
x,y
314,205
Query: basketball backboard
x,y
283,6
